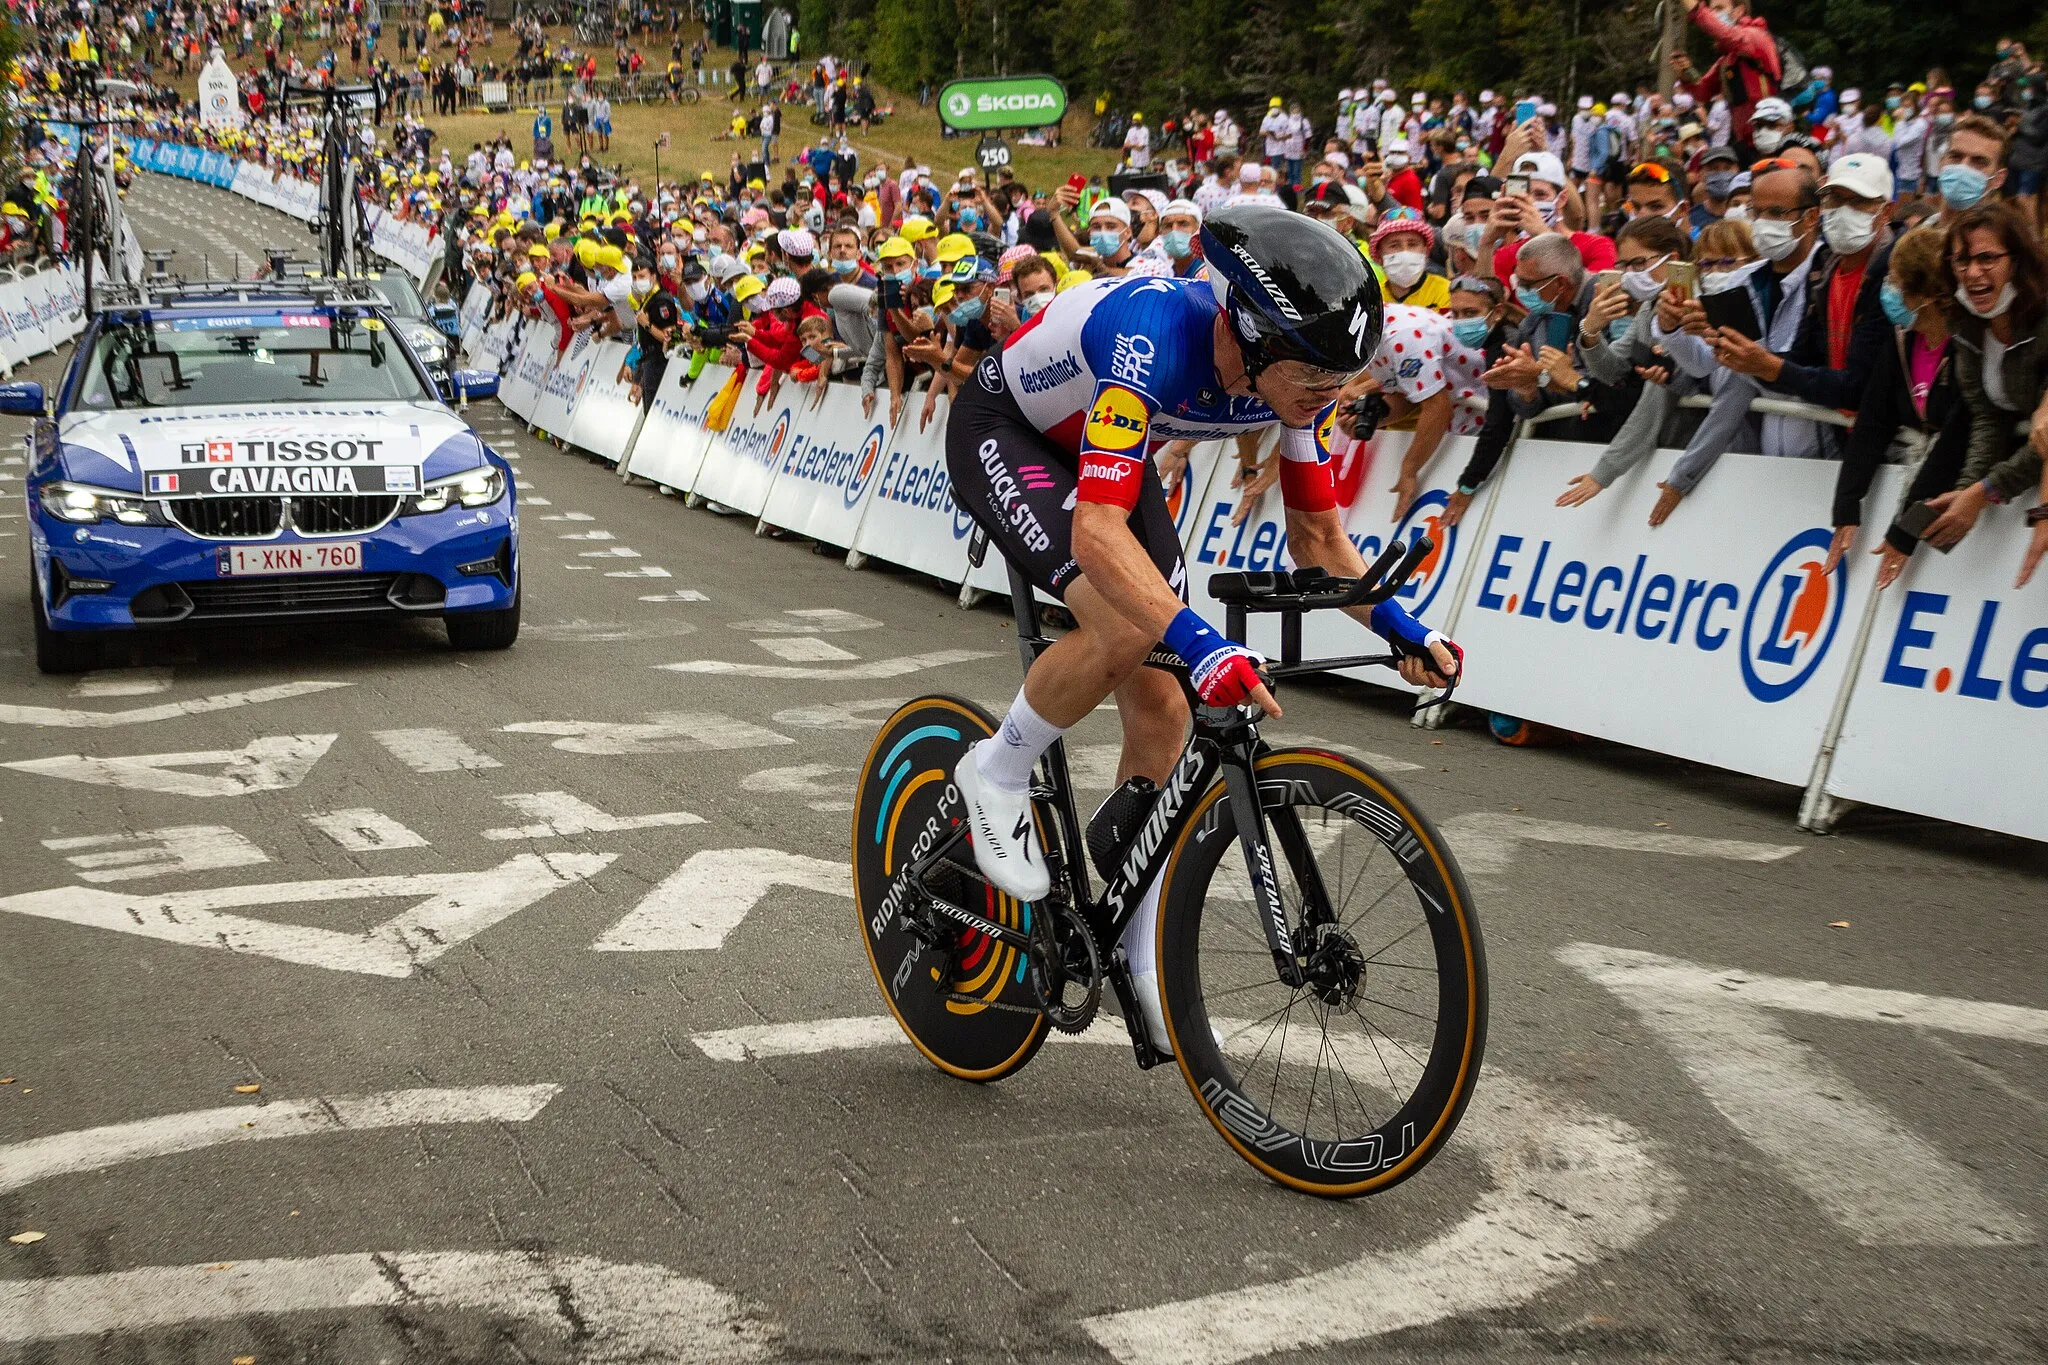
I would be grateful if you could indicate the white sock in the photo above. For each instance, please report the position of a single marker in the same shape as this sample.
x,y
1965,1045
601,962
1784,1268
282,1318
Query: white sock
x,y
1006,758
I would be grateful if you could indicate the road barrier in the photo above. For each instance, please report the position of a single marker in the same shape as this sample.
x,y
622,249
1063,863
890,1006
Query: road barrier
x,y
40,310
1718,637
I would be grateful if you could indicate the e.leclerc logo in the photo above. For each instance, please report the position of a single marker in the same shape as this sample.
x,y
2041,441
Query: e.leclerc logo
x,y
1788,622
864,466
1427,516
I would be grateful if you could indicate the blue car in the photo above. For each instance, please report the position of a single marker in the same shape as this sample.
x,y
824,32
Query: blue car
x,y
218,455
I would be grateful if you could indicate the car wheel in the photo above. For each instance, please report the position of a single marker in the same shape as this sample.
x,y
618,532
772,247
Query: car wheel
x,y
484,629
59,651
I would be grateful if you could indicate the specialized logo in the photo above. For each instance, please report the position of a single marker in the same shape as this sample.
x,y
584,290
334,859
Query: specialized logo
x,y
1117,420
1360,328
1281,302
1427,516
1792,617
869,455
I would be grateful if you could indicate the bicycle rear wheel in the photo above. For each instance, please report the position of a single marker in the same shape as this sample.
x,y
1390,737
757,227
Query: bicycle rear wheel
x,y
968,1008
1351,1083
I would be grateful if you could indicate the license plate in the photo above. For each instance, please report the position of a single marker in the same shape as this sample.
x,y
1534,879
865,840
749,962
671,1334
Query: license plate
x,y
327,556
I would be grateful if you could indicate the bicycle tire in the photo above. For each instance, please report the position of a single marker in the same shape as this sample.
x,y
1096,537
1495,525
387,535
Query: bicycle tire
x,y
904,802
1332,796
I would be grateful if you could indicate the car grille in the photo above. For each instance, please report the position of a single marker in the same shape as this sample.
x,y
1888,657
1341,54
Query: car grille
x,y
289,596
228,518
333,515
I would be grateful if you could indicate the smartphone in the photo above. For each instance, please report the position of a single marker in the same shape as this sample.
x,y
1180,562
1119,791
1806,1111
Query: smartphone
x,y
1516,184
1683,276
1525,110
1605,278
1915,520
1077,182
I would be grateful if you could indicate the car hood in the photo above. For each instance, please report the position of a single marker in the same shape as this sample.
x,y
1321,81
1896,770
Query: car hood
x,y
112,449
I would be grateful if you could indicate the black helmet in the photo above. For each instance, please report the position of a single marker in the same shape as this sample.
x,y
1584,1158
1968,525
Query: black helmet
x,y
1294,289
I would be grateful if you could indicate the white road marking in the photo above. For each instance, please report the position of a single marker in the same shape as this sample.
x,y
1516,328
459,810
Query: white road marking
x,y
843,715
455,906
273,763
679,595
146,715
587,535
361,830
807,781
621,1311
805,649
615,552
878,668
535,500
1868,1172
666,732
705,899
650,571
560,813
570,516
1571,1188
157,852
432,751
123,682
809,621
1485,842
94,1149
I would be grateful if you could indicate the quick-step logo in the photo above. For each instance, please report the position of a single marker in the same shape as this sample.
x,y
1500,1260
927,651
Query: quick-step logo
x,y
1787,620
1930,630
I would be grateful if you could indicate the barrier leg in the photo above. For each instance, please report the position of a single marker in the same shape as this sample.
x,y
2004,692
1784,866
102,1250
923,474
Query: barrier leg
x,y
970,596
1435,716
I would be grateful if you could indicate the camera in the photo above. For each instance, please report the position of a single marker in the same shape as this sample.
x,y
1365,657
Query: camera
x,y
1366,413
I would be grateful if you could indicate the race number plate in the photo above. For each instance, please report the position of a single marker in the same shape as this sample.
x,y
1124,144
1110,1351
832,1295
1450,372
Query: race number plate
x,y
327,556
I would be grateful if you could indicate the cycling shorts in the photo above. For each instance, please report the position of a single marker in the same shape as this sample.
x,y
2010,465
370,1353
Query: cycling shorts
x,y
1021,487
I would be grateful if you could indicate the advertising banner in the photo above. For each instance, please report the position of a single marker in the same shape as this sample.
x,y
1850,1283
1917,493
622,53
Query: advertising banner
x,y
741,461
911,518
605,415
670,447
828,466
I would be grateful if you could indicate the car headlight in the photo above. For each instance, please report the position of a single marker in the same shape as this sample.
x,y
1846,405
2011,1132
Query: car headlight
x,y
84,504
479,487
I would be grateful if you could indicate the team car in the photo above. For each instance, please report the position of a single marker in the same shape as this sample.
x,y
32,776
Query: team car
x,y
249,453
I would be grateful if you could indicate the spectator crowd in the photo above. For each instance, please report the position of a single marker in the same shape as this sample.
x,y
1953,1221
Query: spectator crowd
x,y
1757,263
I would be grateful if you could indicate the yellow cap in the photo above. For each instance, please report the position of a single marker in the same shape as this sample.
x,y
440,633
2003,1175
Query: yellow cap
x,y
751,250
525,163
1273,103
757,184
433,177
551,231
1070,279
895,246
526,280
746,287
611,258
537,252
942,293
955,246
917,227
586,252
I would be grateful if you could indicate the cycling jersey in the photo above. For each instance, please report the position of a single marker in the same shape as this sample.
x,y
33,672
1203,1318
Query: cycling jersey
x,y
1112,368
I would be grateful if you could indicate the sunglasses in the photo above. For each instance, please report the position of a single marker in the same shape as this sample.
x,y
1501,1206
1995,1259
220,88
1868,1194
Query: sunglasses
x,y
1649,170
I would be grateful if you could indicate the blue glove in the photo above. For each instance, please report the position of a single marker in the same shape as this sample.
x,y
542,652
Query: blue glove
x,y
1223,671
1411,638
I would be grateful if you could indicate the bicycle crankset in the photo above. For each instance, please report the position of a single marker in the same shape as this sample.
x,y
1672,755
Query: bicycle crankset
x,y
1065,970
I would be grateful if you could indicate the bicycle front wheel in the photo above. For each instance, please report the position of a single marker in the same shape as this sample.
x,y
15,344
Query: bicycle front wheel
x,y
1350,1083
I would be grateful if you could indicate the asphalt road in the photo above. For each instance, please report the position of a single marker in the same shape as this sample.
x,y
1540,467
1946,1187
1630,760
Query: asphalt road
x,y
1750,1095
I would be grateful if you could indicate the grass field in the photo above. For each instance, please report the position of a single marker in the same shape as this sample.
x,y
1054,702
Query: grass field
x,y
695,131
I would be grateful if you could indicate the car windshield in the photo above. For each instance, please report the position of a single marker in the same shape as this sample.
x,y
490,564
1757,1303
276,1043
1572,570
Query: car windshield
x,y
399,296
245,359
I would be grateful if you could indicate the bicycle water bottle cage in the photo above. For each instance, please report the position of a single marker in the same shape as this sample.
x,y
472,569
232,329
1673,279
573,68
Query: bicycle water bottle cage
x,y
1117,821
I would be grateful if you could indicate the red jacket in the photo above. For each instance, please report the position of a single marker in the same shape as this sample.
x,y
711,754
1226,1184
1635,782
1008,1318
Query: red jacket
x,y
775,342
1746,71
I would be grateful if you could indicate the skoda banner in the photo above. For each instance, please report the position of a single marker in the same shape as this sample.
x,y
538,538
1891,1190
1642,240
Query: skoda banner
x,y
981,103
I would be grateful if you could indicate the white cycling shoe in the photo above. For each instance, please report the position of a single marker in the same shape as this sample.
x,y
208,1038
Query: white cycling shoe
x,y
1005,843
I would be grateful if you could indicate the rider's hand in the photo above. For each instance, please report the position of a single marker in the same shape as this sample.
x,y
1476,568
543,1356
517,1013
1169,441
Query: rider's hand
x,y
1223,671
1429,658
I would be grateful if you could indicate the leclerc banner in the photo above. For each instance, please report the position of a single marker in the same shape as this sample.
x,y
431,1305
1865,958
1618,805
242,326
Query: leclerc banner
x,y
670,447
741,461
911,518
605,417
832,456
1715,637
1950,713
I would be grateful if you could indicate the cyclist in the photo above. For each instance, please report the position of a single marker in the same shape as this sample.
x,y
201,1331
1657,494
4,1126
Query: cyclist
x,y
1047,449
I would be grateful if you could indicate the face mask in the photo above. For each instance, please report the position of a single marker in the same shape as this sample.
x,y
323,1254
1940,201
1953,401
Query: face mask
x,y
1031,304
1891,101
1737,213
1962,186
1178,244
901,278
1404,268
1474,233
1464,147
1719,184
698,291
1396,160
1982,101
668,263
1848,230
1896,309
1768,140
1721,281
1944,120
970,220
1532,300
967,312
845,267
1471,332
1618,328
1546,209
1774,240
1641,285
1106,244
1998,307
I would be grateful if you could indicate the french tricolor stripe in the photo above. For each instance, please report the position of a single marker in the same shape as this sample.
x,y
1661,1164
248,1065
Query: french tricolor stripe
x,y
163,483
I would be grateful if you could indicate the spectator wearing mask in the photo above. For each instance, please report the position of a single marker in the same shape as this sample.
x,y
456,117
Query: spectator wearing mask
x,y
1180,228
1745,69
1999,277
1616,349
658,317
1786,202
1717,171
1909,141
1655,189
1908,405
1274,128
896,272
1401,244
1477,310
1466,228
1404,183
1972,165
1771,122
1518,219
1034,282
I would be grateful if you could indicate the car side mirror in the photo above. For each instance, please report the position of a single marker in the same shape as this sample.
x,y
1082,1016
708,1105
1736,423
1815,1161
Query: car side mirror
x,y
467,384
25,399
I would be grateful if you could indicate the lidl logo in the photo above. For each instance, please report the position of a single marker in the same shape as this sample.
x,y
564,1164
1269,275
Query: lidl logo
x,y
1427,517
1117,421
864,463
